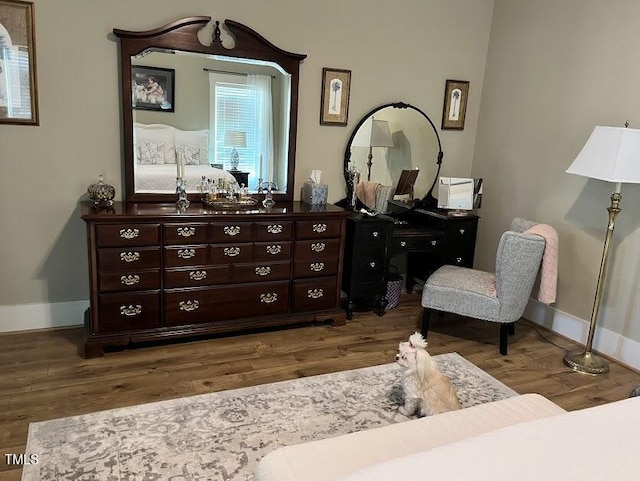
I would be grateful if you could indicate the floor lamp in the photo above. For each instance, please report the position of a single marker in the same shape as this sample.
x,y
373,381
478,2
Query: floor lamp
x,y
373,133
611,154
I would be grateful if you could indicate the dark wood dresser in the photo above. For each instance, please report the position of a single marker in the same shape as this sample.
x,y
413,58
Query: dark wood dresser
x,y
158,273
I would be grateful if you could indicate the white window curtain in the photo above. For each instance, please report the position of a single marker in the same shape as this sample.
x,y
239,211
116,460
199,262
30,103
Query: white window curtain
x,y
242,103
264,117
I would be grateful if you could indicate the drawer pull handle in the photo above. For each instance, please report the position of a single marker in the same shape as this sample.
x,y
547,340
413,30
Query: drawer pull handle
x,y
131,310
403,243
231,230
274,229
231,251
188,306
186,253
269,297
319,228
433,243
458,260
372,264
462,231
186,231
274,249
318,246
263,271
198,275
129,233
315,293
375,234
129,280
316,266
129,256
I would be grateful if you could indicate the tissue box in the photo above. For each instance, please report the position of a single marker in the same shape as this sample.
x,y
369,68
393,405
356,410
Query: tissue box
x,y
314,194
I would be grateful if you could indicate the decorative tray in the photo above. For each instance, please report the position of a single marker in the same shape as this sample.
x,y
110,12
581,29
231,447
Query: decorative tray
x,y
231,204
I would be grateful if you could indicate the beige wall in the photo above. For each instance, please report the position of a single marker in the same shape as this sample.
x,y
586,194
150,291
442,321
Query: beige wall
x,y
554,71
396,50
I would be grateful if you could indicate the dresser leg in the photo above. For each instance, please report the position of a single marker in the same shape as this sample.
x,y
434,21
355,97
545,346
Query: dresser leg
x,y
340,320
92,349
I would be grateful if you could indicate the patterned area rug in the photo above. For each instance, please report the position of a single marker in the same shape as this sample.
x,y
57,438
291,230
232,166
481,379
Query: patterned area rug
x,y
221,436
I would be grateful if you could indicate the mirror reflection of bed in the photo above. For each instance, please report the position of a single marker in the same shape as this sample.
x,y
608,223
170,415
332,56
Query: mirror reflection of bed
x,y
415,148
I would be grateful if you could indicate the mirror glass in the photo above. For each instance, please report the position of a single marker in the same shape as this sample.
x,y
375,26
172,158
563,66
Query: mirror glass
x,y
202,108
208,114
414,145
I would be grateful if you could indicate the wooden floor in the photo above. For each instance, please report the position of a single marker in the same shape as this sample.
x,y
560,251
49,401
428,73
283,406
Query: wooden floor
x,y
42,376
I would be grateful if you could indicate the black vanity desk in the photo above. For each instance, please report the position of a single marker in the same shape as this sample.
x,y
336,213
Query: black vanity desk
x,y
432,238
429,238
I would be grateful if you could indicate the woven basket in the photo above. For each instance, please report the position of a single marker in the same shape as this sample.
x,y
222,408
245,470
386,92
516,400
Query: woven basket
x,y
394,289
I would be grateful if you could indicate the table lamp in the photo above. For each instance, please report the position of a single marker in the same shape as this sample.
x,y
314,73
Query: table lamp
x,y
373,133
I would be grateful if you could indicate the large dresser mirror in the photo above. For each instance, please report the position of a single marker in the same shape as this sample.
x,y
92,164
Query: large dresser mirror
x,y
200,102
390,139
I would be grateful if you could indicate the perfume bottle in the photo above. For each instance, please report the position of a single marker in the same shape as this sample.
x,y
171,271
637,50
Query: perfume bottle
x,y
181,191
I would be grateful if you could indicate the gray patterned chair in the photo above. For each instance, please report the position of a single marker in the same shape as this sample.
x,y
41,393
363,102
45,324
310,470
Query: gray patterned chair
x,y
497,297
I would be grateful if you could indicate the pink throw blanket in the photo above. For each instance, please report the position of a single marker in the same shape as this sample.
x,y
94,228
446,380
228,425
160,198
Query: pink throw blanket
x,y
549,269
366,192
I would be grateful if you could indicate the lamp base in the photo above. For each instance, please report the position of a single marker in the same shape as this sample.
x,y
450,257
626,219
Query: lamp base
x,y
586,362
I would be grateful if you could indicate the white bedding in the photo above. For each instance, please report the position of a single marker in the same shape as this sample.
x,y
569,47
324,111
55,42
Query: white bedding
x,y
162,177
592,444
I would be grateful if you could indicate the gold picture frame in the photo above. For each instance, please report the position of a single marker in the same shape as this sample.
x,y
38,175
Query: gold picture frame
x,y
455,104
18,85
334,101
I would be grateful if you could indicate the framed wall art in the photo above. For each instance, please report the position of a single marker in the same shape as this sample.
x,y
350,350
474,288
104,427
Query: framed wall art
x,y
455,104
18,83
336,87
153,88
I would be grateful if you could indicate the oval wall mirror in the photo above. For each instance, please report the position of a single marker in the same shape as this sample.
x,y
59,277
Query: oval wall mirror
x,y
206,112
392,139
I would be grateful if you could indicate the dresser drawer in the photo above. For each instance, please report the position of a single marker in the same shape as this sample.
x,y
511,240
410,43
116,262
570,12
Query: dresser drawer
x,y
272,251
320,267
260,272
315,249
230,253
122,259
272,231
370,268
128,312
185,233
232,232
113,235
215,304
179,256
374,234
197,276
314,294
318,229
129,280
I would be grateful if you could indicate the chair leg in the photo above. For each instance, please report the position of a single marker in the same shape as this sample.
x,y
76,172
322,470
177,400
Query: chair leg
x,y
512,328
504,335
426,317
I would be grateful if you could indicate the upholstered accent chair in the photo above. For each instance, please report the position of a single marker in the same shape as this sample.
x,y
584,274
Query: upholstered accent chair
x,y
497,297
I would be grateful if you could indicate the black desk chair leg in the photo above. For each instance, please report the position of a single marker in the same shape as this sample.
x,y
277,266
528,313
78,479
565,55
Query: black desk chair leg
x,y
504,336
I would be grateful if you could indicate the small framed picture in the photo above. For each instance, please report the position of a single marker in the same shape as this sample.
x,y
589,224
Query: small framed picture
x,y
153,88
336,87
18,85
455,104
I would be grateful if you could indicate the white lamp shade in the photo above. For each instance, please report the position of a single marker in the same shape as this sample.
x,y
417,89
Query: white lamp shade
x,y
235,138
373,133
611,154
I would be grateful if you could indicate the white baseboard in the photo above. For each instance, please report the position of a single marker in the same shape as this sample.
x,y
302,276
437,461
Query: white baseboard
x,y
42,316
606,342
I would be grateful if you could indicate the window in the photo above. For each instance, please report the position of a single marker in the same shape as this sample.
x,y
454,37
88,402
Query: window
x,y
243,103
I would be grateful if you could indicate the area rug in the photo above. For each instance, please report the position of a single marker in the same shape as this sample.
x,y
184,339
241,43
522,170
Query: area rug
x,y
222,435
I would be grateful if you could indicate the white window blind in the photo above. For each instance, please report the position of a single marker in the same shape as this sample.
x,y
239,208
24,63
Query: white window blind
x,y
236,109
15,82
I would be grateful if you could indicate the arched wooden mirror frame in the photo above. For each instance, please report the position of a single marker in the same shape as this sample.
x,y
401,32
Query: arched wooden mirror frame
x,y
183,35
428,201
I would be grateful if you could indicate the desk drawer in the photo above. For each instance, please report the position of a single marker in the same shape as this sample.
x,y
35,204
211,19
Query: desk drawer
x,y
420,243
